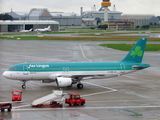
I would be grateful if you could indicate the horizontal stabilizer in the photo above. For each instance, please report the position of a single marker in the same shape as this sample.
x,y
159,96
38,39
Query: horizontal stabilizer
x,y
139,67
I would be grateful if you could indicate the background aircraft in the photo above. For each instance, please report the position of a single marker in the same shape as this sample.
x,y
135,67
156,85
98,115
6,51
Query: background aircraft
x,y
27,30
66,74
43,30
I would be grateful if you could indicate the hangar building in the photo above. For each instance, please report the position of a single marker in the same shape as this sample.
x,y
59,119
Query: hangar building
x,y
67,19
15,26
64,19
18,15
39,14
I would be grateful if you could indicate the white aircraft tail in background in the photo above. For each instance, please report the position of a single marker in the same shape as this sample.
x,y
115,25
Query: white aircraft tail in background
x,y
43,30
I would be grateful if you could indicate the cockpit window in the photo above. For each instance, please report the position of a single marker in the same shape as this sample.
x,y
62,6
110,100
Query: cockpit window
x,y
13,69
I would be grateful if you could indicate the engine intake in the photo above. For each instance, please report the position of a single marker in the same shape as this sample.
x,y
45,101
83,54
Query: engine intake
x,y
63,82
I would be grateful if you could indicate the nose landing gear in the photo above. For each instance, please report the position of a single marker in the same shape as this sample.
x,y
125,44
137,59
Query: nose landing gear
x,y
24,84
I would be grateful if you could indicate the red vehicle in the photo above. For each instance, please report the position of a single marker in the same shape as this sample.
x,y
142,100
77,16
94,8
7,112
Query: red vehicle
x,y
52,104
75,99
4,106
16,95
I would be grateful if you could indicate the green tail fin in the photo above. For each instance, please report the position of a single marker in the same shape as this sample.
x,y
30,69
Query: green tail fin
x,y
136,53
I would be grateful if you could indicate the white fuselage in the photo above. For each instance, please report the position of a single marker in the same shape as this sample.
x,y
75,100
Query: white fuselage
x,y
26,75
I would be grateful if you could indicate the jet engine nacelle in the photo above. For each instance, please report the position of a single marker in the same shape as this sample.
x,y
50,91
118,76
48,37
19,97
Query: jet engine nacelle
x,y
63,82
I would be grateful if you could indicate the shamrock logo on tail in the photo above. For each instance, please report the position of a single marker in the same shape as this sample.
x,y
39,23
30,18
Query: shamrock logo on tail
x,y
137,52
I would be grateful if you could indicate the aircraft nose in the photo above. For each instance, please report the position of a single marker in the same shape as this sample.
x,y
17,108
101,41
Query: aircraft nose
x,y
6,74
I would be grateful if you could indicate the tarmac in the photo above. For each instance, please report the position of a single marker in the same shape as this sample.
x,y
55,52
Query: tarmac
x,y
133,96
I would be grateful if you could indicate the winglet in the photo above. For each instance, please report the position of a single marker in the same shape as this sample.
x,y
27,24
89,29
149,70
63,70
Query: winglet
x,y
136,53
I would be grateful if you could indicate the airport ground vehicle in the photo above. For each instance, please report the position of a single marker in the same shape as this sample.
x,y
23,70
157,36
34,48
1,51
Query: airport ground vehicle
x,y
52,104
54,99
75,99
16,95
4,106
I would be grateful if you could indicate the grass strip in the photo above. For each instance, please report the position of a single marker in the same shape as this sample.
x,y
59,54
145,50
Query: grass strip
x,y
41,37
127,47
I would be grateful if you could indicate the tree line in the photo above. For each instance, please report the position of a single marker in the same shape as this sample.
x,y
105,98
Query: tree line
x,y
6,16
143,27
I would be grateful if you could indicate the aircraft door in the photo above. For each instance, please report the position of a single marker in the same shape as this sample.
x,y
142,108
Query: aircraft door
x,y
122,65
65,69
25,70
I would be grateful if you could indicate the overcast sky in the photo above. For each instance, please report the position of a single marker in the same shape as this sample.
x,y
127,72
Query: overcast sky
x,y
125,6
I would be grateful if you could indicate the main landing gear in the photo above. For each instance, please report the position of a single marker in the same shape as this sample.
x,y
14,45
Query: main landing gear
x,y
24,84
79,85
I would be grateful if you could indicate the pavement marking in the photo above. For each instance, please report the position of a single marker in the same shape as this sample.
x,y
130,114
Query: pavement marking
x,y
83,53
111,90
126,101
96,93
81,107
20,106
101,86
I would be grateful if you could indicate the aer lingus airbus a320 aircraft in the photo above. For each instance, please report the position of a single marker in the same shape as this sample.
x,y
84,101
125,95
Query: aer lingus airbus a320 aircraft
x,y
66,74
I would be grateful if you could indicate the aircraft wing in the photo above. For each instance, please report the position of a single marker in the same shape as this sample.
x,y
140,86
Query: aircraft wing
x,y
98,76
84,77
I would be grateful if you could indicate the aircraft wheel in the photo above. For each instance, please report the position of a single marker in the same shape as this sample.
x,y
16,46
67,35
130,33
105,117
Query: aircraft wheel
x,y
79,86
23,86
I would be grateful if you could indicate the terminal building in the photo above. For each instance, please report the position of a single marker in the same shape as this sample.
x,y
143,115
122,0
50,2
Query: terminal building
x,y
140,19
112,15
92,18
89,18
